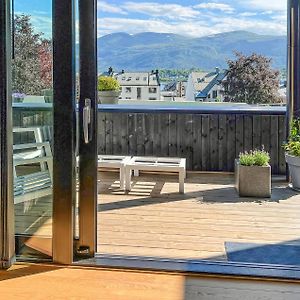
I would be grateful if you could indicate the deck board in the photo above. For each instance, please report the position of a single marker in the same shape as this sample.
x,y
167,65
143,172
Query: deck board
x,y
155,220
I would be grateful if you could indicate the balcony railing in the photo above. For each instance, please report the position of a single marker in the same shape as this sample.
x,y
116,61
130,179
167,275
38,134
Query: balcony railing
x,y
209,136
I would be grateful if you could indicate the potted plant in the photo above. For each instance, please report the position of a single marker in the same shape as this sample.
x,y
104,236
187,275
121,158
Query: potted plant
x,y
18,97
292,154
253,174
108,89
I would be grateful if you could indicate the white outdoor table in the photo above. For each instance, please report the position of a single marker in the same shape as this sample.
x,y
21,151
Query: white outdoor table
x,y
114,162
156,164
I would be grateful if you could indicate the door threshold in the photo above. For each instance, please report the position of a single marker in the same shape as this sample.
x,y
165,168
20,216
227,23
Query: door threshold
x,y
193,267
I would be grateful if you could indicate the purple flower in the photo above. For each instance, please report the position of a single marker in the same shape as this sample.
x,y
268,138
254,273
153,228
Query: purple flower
x,y
18,95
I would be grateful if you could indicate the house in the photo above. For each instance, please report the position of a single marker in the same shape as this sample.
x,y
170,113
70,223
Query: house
x,y
206,87
174,91
139,85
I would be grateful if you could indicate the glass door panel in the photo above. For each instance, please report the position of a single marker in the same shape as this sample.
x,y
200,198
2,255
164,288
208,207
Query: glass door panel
x,y
32,97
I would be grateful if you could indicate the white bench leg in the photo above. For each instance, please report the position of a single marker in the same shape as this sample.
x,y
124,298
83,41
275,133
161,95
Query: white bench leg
x,y
122,178
136,173
181,181
128,172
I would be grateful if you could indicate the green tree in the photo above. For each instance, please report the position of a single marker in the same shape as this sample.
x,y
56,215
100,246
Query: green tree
x,y
252,80
32,58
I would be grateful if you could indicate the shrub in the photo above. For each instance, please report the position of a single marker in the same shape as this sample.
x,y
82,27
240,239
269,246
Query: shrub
x,y
292,147
254,158
106,83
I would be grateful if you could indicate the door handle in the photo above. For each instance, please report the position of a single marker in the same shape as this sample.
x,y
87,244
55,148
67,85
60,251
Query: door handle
x,y
86,118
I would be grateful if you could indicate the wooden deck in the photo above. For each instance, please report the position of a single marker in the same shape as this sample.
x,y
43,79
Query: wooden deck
x,y
154,220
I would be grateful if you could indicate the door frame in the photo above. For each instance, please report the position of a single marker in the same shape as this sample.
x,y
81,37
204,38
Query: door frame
x,y
88,151
65,113
7,248
64,130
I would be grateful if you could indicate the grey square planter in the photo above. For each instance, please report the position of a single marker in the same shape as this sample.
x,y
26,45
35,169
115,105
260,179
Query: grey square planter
x,y
253,181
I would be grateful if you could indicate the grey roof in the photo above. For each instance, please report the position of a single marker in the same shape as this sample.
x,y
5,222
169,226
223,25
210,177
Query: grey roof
x,y
203,82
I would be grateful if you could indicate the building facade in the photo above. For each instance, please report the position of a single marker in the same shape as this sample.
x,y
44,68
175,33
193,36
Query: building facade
x,y
206,87
139,85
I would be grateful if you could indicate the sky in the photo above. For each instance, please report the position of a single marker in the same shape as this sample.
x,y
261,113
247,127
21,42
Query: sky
x,y
193,18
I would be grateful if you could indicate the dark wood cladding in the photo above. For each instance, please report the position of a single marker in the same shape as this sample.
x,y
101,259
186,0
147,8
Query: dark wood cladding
x,y
209,142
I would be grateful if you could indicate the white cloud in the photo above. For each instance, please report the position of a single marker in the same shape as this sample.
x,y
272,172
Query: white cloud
x,y
248,14
269,5
193,28
106,7
172,11
132,26
215,6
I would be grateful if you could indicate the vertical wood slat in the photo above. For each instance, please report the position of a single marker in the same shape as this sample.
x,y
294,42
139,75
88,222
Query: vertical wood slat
x,y
222,143
205,143
209,142
197,132
140,134
165,124
213,142
149,133
109,133
173,135
282,138
274,144
132,134
239,135
101,134
248,133
231,140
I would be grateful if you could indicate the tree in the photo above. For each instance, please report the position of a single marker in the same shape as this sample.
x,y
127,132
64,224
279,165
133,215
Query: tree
x,y
251,79
32,63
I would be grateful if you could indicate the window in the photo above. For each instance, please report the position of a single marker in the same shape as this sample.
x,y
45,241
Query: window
x,y
152,98
145,78
137,78
128,90
215,94
152,90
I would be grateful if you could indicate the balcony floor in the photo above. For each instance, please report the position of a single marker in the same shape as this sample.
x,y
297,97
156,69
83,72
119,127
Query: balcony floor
x,y
154,220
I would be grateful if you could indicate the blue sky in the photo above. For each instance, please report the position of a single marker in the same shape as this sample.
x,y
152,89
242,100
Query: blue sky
x,y
187,17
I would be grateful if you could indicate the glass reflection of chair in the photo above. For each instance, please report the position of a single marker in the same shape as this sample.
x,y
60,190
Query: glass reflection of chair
x,y
33,166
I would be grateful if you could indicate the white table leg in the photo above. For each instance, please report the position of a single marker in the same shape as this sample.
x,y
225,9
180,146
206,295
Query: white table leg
x,y
122,177
181,181
136,173
128,172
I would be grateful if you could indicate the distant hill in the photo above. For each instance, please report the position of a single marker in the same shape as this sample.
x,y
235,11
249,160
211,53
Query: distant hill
x,y
148,50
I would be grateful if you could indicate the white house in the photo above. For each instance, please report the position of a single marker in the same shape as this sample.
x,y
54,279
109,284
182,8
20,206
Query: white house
x,y
206,87
139,85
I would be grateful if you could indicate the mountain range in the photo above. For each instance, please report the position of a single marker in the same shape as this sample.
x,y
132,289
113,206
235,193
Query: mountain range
x,y
149,50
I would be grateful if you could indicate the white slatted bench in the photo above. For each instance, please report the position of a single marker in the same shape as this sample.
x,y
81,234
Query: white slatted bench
x,y
114,162
156,164
38,183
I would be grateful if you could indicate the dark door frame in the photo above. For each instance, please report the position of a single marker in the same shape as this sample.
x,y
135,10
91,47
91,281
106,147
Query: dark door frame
x,y
64,123
88,151
7,250
65,130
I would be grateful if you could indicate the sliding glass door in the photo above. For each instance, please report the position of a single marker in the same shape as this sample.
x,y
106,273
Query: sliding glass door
x,y
32,97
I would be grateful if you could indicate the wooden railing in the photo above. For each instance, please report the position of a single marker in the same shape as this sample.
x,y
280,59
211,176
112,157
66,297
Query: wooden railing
x,y
209,138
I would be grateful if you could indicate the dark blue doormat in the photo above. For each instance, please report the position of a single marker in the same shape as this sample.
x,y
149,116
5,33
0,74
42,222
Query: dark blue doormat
x,y
278,254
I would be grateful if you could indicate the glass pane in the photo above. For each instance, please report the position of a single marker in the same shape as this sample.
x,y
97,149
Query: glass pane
x,y
32,127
